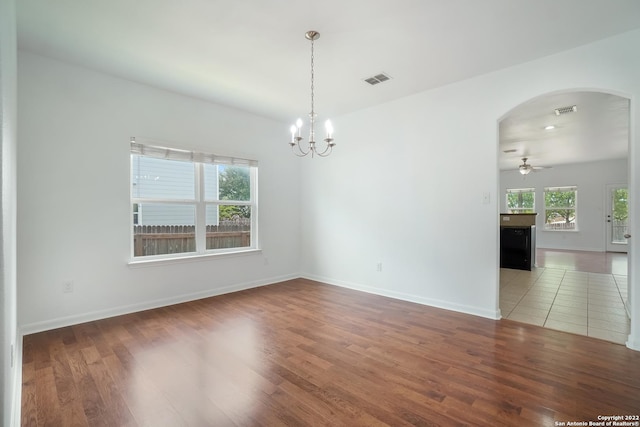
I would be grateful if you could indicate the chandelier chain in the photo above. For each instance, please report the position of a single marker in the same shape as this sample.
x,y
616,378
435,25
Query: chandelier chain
x,y
312,77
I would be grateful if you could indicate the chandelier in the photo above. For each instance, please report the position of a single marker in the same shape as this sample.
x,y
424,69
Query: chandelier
x,y
296,138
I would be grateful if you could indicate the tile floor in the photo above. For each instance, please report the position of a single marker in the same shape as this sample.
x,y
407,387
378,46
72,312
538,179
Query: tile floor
x,y
580,302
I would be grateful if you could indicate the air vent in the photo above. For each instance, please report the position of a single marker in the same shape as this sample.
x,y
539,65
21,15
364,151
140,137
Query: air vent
x,y
378,78
566,110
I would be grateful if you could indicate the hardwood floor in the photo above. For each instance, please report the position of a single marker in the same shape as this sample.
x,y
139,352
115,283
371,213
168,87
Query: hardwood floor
x,y
589,262
304,353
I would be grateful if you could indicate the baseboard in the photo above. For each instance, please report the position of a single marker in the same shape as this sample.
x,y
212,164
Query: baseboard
x,y
633,343
572,249
446,305
32,328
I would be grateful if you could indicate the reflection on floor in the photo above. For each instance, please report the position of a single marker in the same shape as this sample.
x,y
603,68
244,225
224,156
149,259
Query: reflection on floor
x,y
578,292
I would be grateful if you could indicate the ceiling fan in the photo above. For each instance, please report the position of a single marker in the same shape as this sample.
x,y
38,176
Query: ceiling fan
x,y
525,167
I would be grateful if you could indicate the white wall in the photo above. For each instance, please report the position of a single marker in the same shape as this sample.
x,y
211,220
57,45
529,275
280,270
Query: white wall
x,y
591,179
9,347
407,181
73,194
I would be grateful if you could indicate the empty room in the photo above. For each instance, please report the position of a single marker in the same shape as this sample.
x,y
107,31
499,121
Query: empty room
x,y
292,213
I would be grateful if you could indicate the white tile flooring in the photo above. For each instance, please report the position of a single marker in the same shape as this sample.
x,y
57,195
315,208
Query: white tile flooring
x,y
583,303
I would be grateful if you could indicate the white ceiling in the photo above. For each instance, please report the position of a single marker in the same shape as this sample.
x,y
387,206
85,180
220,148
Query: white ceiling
x,y
252,54
598,130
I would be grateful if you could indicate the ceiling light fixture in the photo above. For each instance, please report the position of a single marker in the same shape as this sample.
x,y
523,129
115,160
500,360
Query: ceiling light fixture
x,y
296,138
550,127
524,167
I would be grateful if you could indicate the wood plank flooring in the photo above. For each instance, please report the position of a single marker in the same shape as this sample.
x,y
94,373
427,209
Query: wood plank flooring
x,y
590,262
303,353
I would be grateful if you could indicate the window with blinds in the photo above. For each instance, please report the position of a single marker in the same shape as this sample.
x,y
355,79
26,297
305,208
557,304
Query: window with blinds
x,y
187,203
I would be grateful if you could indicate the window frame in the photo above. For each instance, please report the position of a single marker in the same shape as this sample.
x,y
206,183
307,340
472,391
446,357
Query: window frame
x,y
199,202
566,188
516,211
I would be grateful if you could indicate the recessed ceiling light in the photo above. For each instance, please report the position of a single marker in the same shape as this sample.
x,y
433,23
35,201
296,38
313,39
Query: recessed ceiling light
x,y
550,127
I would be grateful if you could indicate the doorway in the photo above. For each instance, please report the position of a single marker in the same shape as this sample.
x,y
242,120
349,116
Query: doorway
x,y
559,144
617,211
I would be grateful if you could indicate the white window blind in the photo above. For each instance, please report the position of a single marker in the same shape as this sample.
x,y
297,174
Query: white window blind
x,y
186,155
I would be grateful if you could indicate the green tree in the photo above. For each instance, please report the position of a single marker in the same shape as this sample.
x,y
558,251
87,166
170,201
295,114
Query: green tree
x,y
521,201
234,184
620,204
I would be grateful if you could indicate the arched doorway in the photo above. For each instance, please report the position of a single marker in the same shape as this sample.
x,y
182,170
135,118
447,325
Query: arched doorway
x,y
580,140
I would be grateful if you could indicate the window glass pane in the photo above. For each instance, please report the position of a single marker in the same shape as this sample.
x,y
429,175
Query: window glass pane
x,y
135,214
210,182
620,212
162,179
560,208
234,183
163,229
560,199
228,226
520,200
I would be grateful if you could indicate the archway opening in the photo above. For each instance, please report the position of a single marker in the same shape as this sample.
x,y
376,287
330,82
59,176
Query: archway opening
x,y
574,145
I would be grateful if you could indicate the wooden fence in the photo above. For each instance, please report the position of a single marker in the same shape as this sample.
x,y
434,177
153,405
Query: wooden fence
x,y
172,239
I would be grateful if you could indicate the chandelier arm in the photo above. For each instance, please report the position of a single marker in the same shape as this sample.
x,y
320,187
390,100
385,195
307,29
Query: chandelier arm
x,y
302,153
326,151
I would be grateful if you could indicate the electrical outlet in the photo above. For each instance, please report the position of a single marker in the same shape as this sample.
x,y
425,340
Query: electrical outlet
x,y
379,267
67,286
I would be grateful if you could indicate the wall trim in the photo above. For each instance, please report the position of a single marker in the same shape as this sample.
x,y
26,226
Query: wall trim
x,y
446,305
35,327
16,411
571,248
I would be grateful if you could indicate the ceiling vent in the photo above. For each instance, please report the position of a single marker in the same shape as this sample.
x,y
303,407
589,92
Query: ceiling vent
x,y
378,78
566,110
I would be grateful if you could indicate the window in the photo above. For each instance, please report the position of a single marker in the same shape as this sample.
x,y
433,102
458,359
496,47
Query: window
x,y
560,208
186,203
521,200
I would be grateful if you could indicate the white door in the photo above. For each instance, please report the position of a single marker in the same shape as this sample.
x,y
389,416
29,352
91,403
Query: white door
x,y
617,217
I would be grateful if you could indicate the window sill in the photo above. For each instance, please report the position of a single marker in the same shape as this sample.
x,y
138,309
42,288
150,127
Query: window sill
x,y
562,231
152,262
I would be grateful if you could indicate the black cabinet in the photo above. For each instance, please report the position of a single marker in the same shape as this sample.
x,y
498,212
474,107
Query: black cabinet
x,y
517,247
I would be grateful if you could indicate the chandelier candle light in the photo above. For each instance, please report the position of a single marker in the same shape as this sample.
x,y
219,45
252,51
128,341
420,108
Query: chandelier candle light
x,y
296,138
